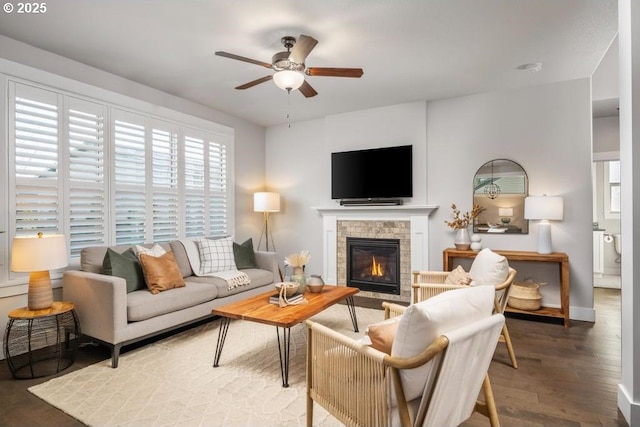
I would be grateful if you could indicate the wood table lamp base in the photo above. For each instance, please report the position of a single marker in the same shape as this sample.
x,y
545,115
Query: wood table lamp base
x,y
40,294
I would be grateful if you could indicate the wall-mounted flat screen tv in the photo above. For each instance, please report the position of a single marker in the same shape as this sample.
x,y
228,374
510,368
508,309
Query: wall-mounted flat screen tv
x,y
372,174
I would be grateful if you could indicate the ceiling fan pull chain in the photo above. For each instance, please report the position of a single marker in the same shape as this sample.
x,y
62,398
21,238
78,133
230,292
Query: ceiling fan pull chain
x,y
289,108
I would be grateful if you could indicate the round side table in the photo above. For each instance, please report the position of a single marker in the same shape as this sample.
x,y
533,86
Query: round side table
x,y
41,342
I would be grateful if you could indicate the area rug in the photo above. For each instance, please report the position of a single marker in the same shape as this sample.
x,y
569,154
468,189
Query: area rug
x,y
172,381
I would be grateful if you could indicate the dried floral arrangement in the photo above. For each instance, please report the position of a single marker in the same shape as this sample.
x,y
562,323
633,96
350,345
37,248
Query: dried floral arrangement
x,y
462,220
297,260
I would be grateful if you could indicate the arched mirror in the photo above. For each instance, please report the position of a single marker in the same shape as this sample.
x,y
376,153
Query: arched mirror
x,y
500,187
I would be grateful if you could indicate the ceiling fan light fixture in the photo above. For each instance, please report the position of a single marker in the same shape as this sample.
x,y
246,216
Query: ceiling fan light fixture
x,y
288,79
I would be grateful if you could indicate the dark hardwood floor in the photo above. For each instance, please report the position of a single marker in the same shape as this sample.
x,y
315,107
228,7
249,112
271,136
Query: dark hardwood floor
x,y
566,377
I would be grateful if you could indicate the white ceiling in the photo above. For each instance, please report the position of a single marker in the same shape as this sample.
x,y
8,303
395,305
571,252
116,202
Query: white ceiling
x,y
410,50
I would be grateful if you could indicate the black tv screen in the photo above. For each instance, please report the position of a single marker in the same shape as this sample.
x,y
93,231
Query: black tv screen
x,y
372,174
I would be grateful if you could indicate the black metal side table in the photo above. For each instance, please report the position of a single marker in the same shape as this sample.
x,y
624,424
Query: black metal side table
x,y
41,342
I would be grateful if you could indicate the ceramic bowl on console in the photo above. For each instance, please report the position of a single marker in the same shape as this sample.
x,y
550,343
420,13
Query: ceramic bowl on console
x,y
290,287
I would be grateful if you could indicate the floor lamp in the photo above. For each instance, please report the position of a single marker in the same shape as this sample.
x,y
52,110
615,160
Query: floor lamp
x,y
544,208
266,203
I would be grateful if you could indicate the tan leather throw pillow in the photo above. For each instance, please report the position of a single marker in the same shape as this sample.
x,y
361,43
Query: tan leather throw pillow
x,y
161,273
458,277
383,333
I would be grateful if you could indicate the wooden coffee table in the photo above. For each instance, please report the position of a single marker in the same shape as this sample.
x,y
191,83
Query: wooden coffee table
x,y
258,309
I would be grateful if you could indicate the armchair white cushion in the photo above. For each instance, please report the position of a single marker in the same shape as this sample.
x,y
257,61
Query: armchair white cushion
x,y
423,322
489,268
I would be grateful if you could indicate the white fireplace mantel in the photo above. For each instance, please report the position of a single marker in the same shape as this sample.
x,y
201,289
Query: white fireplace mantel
x,y
417,215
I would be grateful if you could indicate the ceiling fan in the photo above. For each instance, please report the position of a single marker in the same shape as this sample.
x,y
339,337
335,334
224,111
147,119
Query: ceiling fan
x,y
290,68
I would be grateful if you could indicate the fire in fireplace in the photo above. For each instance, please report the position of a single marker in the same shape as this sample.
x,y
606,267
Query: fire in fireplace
x,y
374,264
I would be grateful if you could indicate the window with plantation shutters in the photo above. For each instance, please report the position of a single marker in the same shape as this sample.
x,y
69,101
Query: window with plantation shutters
x,y
35,133
129,179
87,185
104,175
164,144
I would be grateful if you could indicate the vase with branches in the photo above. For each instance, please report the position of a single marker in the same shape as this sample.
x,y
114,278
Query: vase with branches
x,y
460,223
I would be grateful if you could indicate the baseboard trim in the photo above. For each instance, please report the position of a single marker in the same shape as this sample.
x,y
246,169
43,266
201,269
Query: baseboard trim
x,y
582,313
630,410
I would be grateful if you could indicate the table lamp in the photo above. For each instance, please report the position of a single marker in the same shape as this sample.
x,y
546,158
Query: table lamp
x,y
543,208
505,215
37,255
266,202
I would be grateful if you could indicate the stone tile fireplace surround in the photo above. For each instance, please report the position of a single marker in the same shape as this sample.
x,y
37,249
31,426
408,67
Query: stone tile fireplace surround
x,y
408,223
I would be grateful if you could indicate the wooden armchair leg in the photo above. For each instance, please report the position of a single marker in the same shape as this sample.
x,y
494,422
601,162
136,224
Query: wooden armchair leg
x,y
488,408
507,341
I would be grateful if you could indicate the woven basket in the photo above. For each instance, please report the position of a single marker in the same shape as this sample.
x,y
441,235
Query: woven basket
x,y
525,296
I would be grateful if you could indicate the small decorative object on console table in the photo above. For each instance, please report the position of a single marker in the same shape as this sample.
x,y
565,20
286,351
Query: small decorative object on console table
x,y
476,242
460,224
297,262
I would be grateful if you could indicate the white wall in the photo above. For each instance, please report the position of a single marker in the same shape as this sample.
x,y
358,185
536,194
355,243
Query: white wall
x,y
547,129
606,134
298,166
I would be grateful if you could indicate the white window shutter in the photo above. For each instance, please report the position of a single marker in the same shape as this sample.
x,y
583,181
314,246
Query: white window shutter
x,y
130,192
166,217
87,184
34,132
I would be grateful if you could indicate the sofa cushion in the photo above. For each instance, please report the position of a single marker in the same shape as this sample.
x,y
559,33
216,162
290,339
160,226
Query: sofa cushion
x,y
91,257
142,305
244,255
489,268
179,251
216,255
125,265
257,276
423,322
156,250
161,273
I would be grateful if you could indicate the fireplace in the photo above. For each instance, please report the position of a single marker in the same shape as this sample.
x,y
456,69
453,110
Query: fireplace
x,y
374,264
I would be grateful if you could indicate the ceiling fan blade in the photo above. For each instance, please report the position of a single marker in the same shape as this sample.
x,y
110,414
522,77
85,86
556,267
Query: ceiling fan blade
x,y
242,58
334,72
302,48
307,90
255,82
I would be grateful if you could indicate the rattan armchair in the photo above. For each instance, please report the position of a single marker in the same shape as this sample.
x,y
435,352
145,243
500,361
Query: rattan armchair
x,y
361,386
427,284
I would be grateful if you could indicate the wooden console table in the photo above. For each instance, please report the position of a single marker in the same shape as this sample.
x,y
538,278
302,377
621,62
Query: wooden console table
x,y
559,258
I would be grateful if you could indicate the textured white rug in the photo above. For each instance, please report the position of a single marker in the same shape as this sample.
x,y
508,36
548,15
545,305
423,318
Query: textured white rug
x,y
172,382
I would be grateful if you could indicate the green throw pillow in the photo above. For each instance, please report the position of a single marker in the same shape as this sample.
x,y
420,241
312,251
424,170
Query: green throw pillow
x,y
125,265
244,255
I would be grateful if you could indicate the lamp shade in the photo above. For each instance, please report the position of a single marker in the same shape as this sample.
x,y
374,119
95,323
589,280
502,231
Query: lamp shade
x,y
38,253
288,80
543,208
505,211
266,202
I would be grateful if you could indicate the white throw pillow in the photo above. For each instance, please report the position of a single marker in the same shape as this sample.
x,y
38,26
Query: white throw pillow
x,y
216,255
423,322
154,251
489,268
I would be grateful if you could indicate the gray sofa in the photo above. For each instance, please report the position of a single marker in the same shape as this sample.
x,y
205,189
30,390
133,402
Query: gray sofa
x,y
115,318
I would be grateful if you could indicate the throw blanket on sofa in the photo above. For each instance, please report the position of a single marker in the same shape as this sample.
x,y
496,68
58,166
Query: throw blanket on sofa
x,y
234,278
